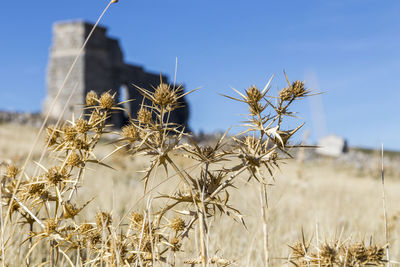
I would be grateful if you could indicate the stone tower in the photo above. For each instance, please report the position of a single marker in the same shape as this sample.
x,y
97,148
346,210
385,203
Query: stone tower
x,y
100,68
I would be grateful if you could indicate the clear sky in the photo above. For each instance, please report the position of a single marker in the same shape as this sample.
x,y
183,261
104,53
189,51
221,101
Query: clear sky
x,y
349,49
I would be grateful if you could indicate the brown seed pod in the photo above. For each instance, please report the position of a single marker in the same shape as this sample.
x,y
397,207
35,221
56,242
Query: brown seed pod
x,y
106,100
130,132
176,244
144,116
70,211
55,175
103,219
50,226
286,94
164,95
52,135
74,160
253,94
69,133
85,228
91,98
177,224
36,189
82,126
12,171
298,89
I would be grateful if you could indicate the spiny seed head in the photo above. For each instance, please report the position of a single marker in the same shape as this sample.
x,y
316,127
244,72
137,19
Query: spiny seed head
x,y
36,189
52,135
55,175
85,228
91,98
50,225
144,116
106,100
164,95
176,244
12,171
70,211
74,160
130,132
136,220
80,144
256,108
207,151
103,219
253,94
286,94
298,89
69,133
177,224
137,217
82,126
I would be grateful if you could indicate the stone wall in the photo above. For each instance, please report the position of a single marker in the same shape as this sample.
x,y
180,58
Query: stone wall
x,y
100,68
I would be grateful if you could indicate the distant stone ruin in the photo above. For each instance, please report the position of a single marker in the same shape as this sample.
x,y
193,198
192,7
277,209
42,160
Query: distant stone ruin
x,y
100,68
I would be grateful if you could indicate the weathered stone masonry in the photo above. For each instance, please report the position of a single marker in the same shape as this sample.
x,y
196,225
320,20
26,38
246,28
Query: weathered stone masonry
x,y
100,68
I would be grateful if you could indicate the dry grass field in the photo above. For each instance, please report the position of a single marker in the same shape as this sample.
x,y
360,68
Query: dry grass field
x,y
326,203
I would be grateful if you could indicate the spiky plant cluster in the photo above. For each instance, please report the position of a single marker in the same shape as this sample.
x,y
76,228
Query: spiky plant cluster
x,y
47,201
337,254
205,193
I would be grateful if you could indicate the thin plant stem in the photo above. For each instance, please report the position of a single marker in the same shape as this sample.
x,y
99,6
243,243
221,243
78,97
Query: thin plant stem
x,y
384,209
264,210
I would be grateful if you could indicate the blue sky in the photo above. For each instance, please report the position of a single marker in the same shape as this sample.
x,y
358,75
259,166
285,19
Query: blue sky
x,y
348,49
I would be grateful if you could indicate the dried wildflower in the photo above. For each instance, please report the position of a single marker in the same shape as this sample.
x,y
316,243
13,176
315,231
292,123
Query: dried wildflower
x,y
335,254
12,171
130,132
70,211
74,160
36,189
298,89
85,228
52,135
286,94
328,255
55,175
177,224
82,126
91,98
256,108
69,133
137,217
164,96
175,244
144,116
51,225
254,94
103,219
80,144
106,100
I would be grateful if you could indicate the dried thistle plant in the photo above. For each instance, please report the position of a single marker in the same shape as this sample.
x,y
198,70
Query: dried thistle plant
x,y
47,202
338,254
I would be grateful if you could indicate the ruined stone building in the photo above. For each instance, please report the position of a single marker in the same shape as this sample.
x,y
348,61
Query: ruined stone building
x,y
100,68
